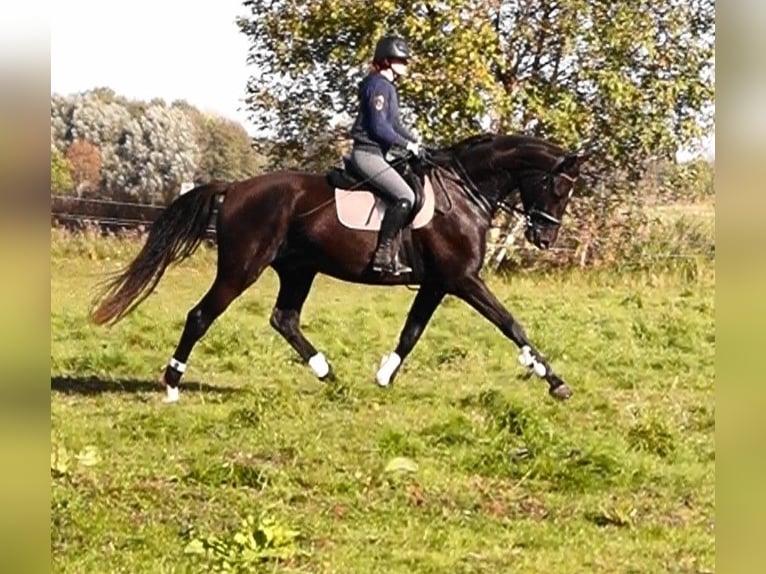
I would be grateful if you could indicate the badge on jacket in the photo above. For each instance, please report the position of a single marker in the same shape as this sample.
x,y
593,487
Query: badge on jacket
x,y
378,101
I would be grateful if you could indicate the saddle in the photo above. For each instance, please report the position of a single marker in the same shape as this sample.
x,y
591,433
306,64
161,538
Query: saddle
x,y
359,207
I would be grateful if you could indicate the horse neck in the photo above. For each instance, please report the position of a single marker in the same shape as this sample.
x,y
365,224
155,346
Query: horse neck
x,y
499,174
492,185
462,183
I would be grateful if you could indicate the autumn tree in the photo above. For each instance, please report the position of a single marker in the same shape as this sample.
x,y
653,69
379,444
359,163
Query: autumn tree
x,y
97,116
85,161
144,150
147,150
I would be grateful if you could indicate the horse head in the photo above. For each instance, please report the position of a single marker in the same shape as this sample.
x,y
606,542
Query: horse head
x,y
503,171
545,193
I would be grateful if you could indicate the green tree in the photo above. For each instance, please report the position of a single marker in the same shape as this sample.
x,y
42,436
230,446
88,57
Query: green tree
x,y
227,152
635,78
61,172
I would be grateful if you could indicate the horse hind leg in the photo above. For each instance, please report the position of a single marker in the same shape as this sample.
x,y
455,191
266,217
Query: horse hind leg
x,y
294,286
236,272
198,321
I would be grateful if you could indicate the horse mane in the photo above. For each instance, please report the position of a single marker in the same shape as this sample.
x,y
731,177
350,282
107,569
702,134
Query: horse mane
x,y
492,157
485,149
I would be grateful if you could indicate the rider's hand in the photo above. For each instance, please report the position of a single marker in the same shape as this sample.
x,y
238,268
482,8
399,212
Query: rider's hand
x,y
415,148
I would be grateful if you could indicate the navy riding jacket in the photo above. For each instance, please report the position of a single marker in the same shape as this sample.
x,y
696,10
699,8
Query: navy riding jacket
x,y
378,125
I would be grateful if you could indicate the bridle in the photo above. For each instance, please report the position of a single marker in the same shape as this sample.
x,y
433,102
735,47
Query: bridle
x,y
532,216
533,213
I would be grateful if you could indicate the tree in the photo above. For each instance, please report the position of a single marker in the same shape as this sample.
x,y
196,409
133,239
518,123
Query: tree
x,y
146,150
97,116
61,118
226,152
85,160
155,153
61,172
634,78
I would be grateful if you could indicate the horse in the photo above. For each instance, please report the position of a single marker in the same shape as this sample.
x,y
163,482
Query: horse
x,y
289,220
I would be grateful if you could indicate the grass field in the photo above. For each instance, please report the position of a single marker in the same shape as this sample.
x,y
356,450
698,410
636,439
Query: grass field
x,y
464,466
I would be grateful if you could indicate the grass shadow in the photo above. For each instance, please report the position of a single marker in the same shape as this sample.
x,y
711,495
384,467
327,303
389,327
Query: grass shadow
x,y
92,385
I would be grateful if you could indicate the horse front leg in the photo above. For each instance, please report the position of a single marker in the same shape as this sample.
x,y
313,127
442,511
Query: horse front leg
x,y
474,291
294,286
423,307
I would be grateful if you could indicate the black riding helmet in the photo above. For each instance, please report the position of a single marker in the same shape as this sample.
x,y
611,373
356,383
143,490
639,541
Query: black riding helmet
x,y
389,47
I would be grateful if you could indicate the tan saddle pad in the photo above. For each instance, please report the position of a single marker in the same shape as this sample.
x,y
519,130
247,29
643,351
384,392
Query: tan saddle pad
x,y
359,209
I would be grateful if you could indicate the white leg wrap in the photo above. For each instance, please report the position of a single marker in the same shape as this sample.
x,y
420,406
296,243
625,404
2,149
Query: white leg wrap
x,y
539,369
525,358
177,365
528,360
388,365
319,365
172,395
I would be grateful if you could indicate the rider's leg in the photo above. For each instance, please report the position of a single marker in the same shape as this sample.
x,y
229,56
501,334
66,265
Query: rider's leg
x,y
385,258
400,198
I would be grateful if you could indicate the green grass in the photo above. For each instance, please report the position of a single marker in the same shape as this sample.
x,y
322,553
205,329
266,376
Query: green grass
x,y
619,479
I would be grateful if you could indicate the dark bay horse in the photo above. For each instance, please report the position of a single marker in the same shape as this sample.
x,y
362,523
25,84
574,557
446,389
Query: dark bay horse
x,y
287,220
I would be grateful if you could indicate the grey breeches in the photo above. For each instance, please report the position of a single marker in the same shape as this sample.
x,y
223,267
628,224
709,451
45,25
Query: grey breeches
x,y
386,179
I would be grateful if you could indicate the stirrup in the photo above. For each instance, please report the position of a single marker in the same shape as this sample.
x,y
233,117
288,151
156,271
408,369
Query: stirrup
x,y
395,268
398,267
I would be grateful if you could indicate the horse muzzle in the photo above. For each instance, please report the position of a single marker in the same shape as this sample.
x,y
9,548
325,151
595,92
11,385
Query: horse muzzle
x,y
542,238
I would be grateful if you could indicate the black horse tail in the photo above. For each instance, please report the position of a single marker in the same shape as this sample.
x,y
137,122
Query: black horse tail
x,y
174,236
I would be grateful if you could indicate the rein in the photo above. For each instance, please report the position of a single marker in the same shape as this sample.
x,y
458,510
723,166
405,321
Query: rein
x,y
464,182
460,176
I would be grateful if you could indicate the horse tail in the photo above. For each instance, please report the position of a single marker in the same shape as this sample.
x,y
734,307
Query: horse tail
x,y
173,236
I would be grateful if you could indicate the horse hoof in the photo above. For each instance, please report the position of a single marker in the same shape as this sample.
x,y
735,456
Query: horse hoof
x,y
382,384
562,392
172,395
329,377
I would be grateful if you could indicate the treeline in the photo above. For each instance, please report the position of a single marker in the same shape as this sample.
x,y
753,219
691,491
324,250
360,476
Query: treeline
x,y
108,146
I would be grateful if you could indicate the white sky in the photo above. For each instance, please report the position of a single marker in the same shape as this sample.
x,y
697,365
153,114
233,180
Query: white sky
x,y
143,49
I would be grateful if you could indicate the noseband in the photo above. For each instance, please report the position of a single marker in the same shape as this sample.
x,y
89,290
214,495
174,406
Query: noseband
x,y
533,213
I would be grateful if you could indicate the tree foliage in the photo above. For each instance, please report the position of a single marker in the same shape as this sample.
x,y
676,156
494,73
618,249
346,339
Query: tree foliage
x,y
85,161
144,151
226,152
633,78
61,172
158,152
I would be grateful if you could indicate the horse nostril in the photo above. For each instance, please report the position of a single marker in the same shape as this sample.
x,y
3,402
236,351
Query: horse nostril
x,y
544,243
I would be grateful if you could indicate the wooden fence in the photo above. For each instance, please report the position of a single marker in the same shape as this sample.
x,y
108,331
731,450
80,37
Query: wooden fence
x,y
108,215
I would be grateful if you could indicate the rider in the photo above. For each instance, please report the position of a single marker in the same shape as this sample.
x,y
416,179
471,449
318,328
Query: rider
x,y
376,129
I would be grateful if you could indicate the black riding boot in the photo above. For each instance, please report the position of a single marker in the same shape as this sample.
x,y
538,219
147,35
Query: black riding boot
x,y
386,259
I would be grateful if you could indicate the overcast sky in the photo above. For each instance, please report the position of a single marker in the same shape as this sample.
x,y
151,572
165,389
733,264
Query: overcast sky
x,y
143,49
171,49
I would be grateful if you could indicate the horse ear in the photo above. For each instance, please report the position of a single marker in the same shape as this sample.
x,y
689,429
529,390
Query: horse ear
x,y
581,156
571,160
